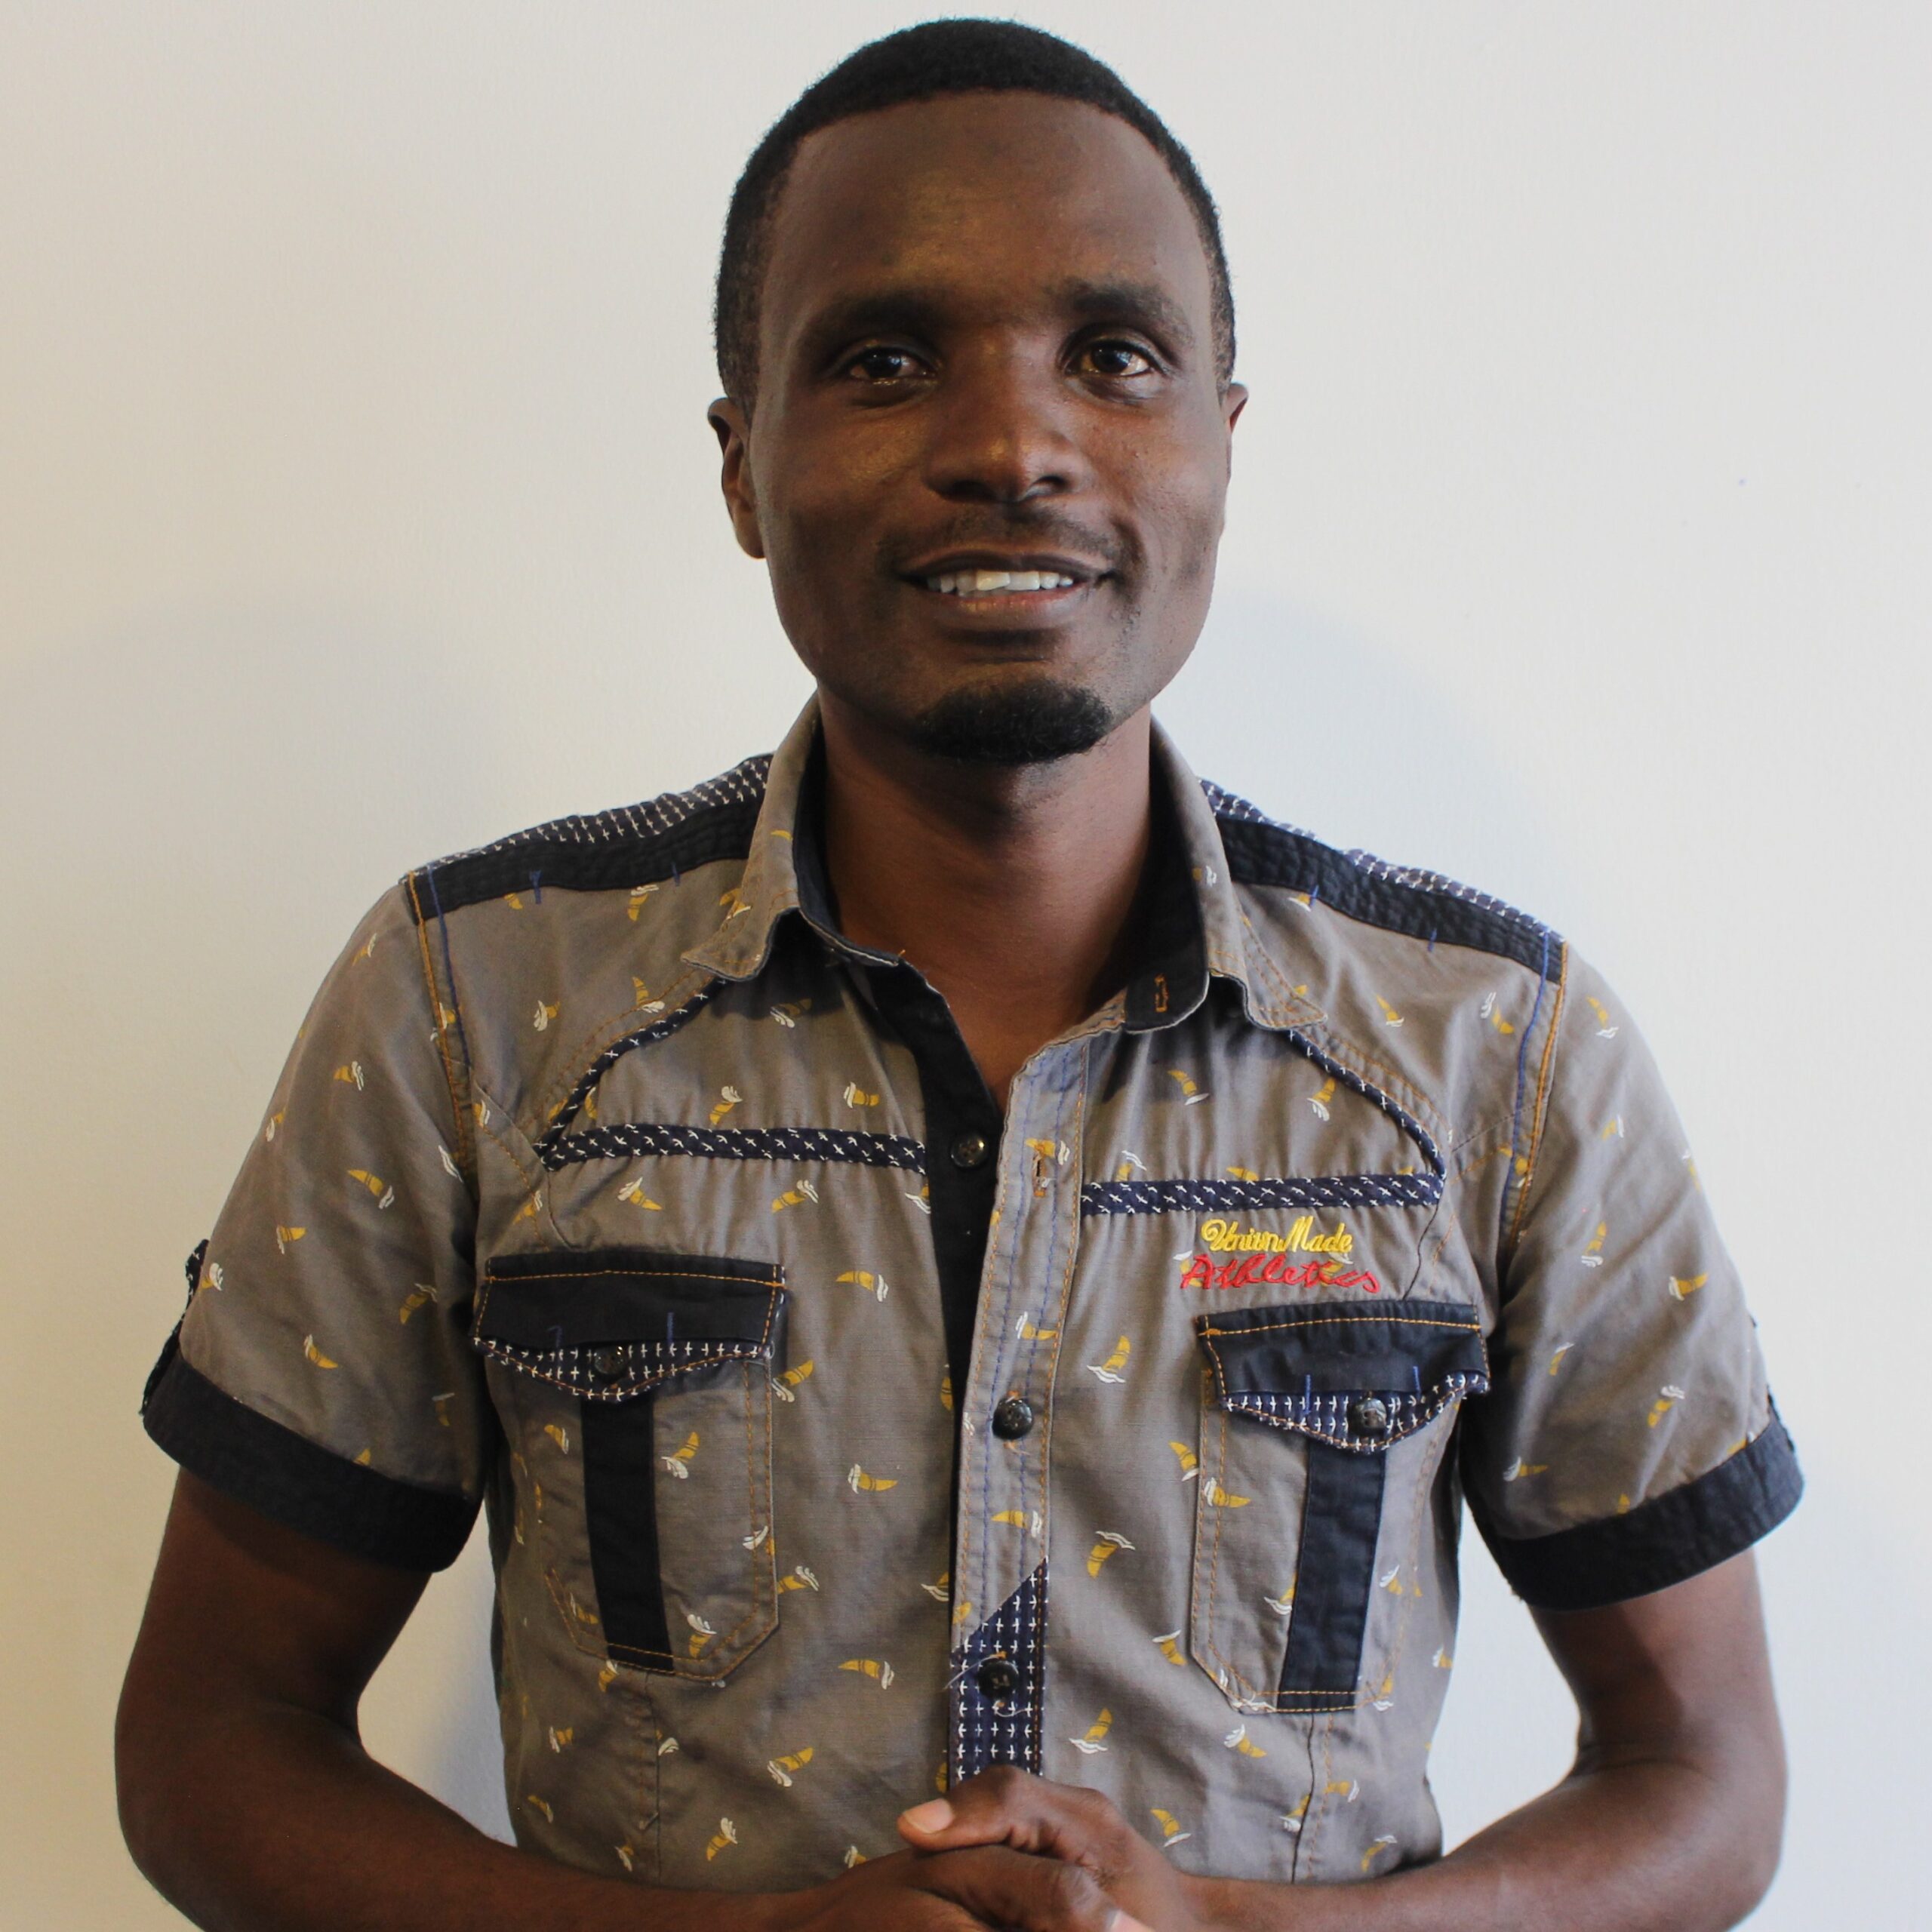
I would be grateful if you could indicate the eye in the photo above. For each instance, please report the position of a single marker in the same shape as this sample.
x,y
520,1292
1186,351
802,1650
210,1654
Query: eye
x,y
1114,360
883,364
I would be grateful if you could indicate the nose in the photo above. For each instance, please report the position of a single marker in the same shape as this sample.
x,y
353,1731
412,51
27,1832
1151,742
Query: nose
x,y
1002,431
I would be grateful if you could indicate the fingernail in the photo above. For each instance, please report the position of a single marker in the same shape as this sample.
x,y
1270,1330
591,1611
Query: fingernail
x,y
935,1815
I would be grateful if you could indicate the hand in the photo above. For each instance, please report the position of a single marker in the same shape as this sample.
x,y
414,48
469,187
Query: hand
x,y
1079,1829
977,1888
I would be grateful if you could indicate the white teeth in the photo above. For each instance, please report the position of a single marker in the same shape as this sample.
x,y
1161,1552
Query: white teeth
x,y
989,583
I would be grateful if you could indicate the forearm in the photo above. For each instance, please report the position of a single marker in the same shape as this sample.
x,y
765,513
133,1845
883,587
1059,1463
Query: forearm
x,y
1641,1845
271,1819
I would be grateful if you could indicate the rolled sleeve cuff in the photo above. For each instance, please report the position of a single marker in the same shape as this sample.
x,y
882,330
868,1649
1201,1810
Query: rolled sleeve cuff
x,y
258,1462
1678,1535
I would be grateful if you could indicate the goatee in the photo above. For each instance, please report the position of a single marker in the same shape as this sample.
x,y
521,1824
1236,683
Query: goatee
x,y
1031,725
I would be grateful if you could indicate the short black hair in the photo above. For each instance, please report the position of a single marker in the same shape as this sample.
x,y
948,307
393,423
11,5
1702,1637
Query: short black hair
x,y
923,63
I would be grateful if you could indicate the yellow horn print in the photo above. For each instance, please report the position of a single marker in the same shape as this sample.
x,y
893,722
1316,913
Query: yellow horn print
x,y
1390,1017
875,1285
1225,1498
1171,1831
558,1739
1096,1732
315,1354
783,1385
632,1191
1110,1543
1380,1844
1667,1399
782,1768
859,1481
879,1673
547,1011
560,1435
1192,1095
946,1393
1592,1254
727,1834
606,1676
800,1579
1242,1173
531,1208
536,1804
1025,1329
795,1197
1190,1463
1169,1647
678,1461
642,1000
1016,1518
856,1096
701,1632
385,1194
1681,1290
1239,1741
1605,1030
634,904
283,1236
728,1097
941,1591
1318,1100
854,1857
1109,1371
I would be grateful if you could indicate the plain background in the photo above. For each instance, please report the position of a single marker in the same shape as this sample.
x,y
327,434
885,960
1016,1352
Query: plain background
x,y
356,505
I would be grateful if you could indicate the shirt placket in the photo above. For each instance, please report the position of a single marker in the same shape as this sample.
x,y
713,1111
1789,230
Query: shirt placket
x,y
1001,1584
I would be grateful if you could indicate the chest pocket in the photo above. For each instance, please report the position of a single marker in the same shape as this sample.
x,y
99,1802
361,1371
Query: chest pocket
x,y
1319,1420
636,1390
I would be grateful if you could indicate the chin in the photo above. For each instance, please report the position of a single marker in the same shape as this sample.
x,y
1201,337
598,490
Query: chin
x,y
1033,724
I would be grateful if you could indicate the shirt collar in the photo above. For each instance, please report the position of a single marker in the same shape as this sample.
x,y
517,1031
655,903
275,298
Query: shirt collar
x,y
1196,930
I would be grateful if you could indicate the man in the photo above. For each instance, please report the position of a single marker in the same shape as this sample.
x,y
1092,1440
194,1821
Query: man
x,y
972,1272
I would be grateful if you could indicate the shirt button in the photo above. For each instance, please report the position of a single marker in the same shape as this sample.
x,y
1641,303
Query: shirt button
x,y
1013,1419
1368,1415
971,1150
997,1679
606,1365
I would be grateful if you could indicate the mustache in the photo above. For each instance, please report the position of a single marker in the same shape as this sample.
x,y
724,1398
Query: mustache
x,y
1021,526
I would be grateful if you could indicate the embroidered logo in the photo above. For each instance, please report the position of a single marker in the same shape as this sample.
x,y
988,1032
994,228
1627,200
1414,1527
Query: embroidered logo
x,y
1304,1238
1275,1271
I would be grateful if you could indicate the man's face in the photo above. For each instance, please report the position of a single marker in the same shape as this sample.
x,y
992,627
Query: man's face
x,y
986,347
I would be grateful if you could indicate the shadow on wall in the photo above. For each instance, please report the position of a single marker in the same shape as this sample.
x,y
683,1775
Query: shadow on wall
x,y
1359,743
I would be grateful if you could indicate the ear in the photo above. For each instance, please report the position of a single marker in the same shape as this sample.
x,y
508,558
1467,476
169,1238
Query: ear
x,y
1234,400
733,432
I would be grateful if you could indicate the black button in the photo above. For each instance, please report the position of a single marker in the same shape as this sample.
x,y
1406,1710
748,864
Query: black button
x,y
1368,1415
997,1679
607,1364
1013,1419
971,1150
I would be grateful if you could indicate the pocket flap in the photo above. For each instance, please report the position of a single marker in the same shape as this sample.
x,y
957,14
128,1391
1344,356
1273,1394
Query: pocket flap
x,y
610,1322
1353,1376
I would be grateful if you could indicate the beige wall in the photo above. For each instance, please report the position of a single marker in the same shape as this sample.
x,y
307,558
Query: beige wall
x,y
356,504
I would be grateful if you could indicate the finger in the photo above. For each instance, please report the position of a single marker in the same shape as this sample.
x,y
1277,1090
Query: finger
x,y
1002,1887
1006,1806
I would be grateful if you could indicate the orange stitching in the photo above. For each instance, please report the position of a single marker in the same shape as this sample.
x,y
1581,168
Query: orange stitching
x,y
1337,1320
1537,1112
653,1274
464,1154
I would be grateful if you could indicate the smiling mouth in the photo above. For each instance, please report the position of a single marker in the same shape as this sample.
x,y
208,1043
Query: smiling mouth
x,y
996,583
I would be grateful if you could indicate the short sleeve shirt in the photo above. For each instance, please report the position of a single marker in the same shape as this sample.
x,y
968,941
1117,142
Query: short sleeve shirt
x,y
841,1436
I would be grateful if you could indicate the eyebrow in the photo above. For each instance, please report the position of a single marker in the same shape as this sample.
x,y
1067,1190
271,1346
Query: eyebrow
x,y
925,311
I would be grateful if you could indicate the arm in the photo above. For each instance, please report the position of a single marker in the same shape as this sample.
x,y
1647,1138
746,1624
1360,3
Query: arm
x,y
1669,1822
247,1798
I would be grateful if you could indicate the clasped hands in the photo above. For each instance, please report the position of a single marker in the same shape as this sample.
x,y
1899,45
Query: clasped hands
x,y
1017,1853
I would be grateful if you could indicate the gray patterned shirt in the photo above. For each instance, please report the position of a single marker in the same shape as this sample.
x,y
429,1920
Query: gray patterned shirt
x,y
841,1436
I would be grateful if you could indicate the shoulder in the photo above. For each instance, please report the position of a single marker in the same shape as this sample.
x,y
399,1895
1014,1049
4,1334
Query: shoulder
x,y
1387,909
619,849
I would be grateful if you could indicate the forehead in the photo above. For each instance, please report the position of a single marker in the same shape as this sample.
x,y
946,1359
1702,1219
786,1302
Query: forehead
x,y
987,198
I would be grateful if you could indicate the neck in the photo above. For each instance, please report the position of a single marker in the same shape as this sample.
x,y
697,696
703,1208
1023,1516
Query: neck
x,y
1010,888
